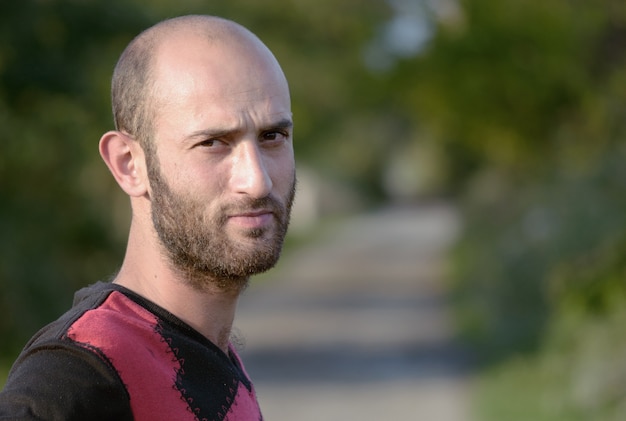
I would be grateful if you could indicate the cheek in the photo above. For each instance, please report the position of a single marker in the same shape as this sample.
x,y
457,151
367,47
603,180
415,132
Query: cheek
x,y
202,184
283,173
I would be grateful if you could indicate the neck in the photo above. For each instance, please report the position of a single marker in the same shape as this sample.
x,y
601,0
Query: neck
x,y
209,309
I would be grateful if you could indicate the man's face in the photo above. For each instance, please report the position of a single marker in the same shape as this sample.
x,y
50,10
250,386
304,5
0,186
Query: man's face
x,y
222,176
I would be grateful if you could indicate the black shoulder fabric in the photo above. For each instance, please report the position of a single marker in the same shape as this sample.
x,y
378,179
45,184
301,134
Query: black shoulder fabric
x,y
56,381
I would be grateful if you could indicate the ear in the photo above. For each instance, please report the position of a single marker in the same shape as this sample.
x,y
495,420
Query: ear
x,y
126,161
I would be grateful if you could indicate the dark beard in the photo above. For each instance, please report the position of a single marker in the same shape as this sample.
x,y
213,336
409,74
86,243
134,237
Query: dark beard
x,y
198,247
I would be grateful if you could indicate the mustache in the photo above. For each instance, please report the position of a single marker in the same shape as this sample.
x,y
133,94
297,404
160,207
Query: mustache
x,y
280,208
268,203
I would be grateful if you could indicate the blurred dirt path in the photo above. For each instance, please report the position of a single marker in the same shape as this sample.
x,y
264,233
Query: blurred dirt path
x,y
355,326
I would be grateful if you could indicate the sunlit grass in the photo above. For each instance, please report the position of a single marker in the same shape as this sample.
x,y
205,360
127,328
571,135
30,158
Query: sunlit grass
x,y
578,375
522,390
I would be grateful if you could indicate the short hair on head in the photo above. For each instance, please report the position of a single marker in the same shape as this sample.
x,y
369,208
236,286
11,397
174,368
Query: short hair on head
x,y
132,86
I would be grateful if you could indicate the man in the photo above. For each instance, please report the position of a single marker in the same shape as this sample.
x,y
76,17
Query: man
x,y
203,148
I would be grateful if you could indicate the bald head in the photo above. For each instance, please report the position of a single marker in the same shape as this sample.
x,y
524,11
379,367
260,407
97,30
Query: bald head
x,y
135,84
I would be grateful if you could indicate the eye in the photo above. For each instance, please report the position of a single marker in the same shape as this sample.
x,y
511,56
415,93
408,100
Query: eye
x,y
274,137
212,143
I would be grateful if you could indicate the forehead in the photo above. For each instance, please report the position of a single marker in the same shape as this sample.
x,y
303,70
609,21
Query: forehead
x,y
192,65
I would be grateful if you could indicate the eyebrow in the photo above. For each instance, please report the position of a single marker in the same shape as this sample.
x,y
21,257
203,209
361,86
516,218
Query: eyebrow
x,y
284,123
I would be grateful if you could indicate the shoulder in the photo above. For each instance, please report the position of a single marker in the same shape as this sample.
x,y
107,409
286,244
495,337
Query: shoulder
x,y
90,359
56,380
116,321
102,317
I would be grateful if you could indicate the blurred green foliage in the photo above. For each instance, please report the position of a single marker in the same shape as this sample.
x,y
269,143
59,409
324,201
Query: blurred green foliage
x,y
515,109
537,102
55,59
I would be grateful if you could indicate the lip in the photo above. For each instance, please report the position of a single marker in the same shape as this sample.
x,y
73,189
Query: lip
x,y
253,219
254,213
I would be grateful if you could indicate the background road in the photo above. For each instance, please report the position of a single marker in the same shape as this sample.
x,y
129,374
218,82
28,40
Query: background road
x,y
355,325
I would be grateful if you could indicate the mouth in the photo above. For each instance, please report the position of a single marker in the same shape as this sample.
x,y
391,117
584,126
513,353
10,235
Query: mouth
x,y
252,219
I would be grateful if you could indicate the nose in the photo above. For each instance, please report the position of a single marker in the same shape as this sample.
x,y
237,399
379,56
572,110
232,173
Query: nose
x,y
249,171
